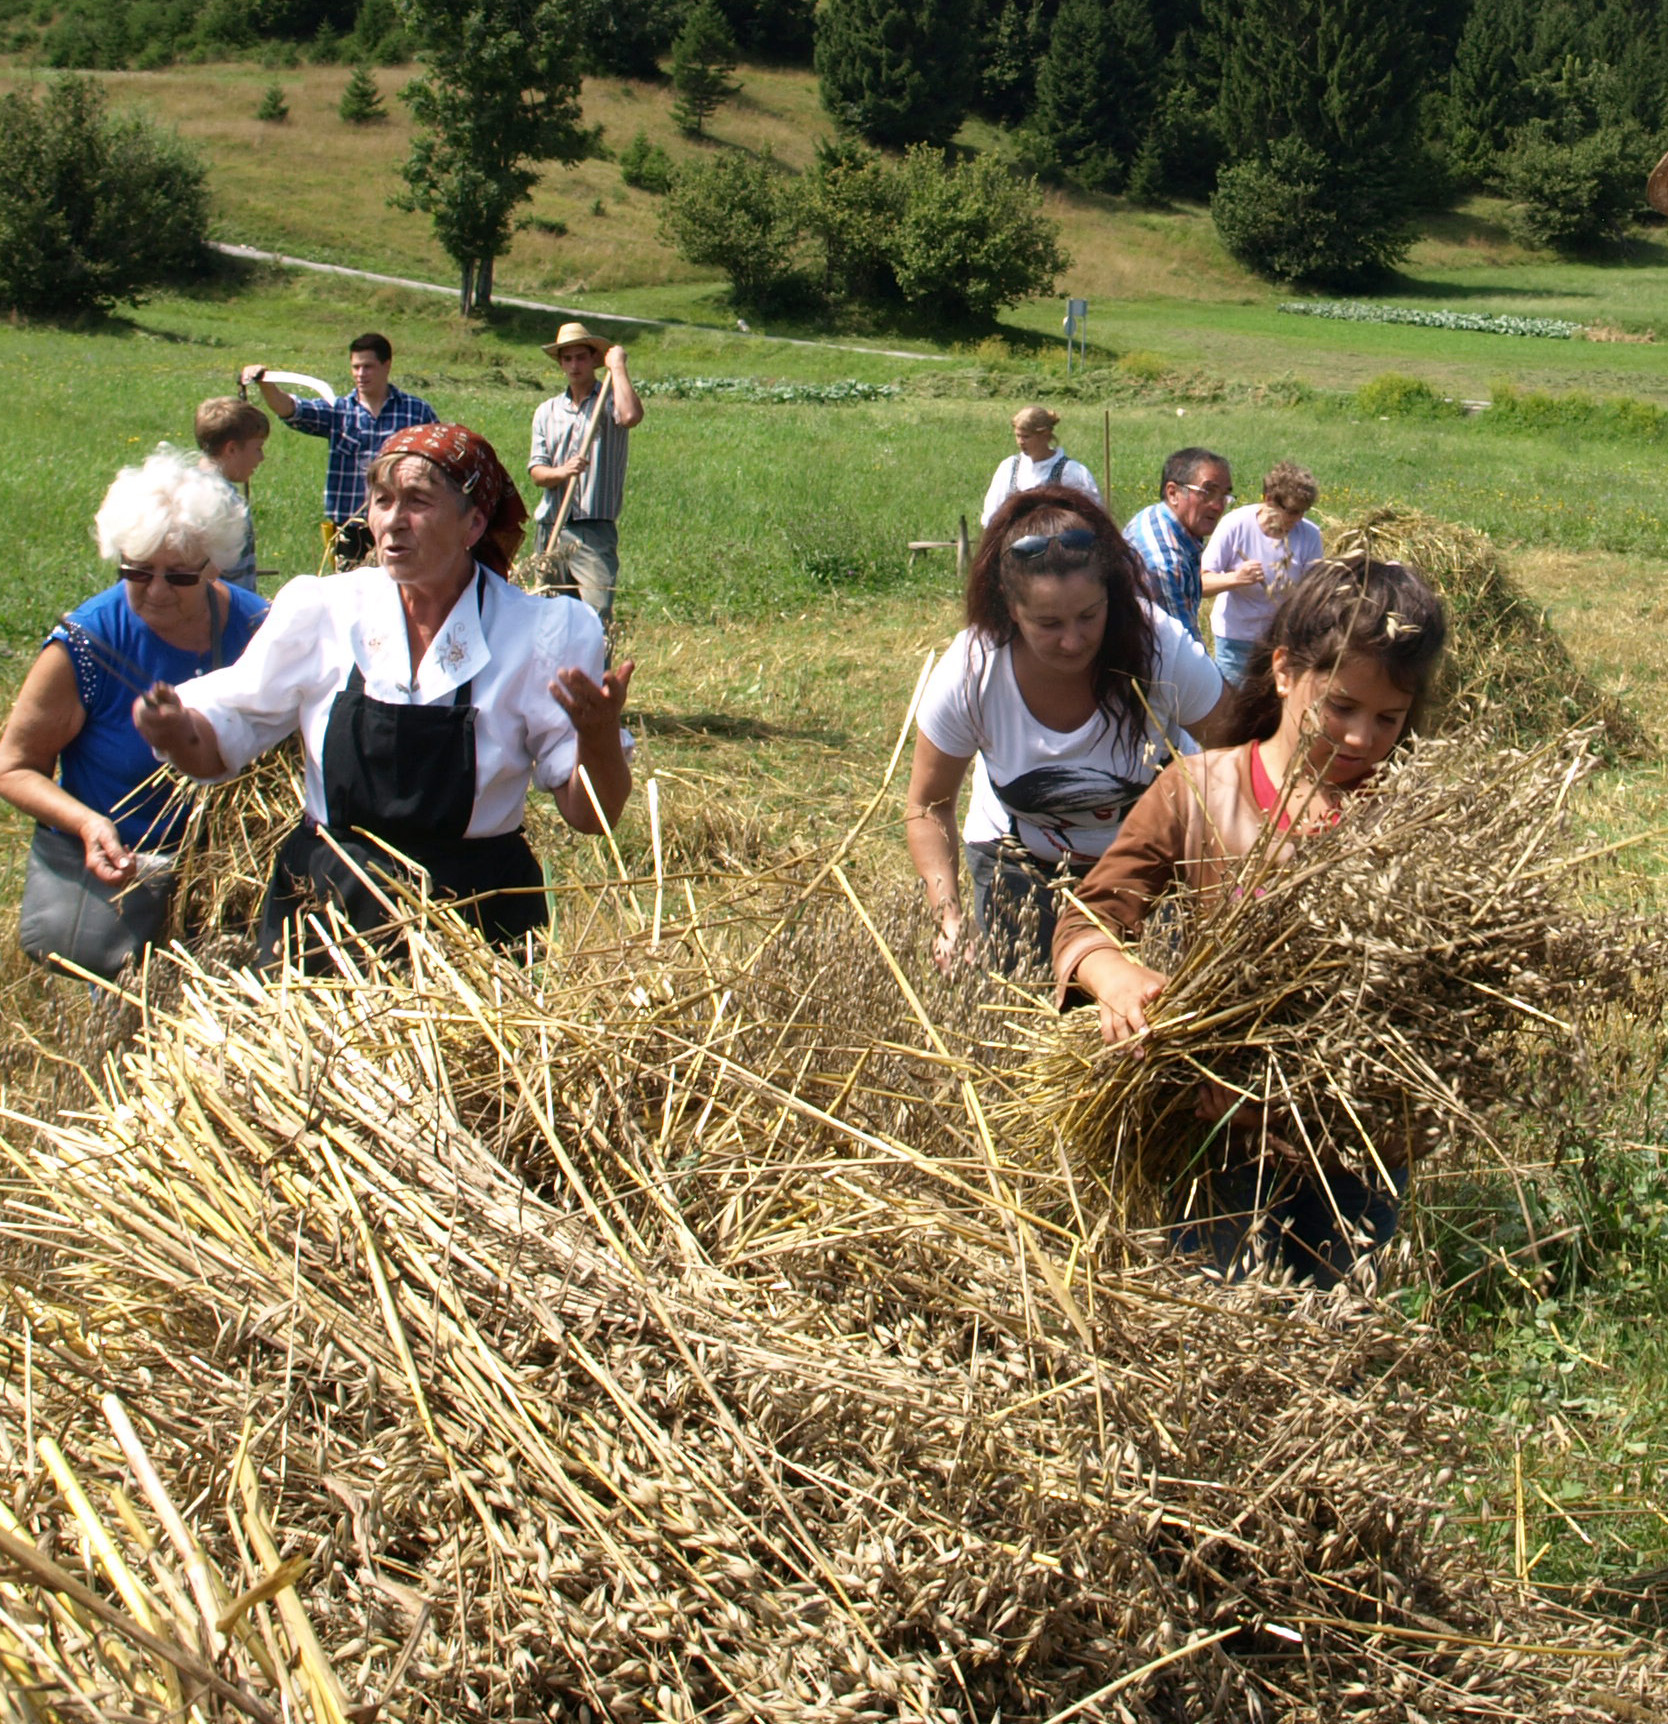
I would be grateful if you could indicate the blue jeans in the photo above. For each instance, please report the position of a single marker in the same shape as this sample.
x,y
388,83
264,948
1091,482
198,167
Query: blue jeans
x,y
1319,1232
1233,659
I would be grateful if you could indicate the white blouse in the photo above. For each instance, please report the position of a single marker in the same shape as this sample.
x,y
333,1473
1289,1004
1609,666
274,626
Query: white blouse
x,y
1021,473
511,645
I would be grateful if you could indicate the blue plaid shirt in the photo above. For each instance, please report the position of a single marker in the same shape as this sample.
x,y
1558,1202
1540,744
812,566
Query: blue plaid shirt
x,y
356,435
1172,556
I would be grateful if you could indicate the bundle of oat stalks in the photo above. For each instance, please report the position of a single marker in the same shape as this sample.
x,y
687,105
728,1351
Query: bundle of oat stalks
x,y
663,1329
1381,992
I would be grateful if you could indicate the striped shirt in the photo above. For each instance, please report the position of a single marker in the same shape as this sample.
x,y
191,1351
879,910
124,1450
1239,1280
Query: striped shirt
x,y
356,437
1172,556
558,430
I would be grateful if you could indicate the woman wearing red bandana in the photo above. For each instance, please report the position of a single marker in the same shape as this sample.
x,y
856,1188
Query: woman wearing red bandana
x,y
429,691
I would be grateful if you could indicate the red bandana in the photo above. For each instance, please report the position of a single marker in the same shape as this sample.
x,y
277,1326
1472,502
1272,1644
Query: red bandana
x,y
474,464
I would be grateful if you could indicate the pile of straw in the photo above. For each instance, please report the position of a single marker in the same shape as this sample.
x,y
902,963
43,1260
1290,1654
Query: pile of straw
x,y
1507,669
1379,995
664,1330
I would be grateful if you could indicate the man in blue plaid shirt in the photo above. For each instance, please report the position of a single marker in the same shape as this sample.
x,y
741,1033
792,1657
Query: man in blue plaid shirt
x,y
1169,536
357,426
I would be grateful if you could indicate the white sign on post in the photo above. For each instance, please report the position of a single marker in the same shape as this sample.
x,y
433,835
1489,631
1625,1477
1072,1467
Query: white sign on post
x,y
1077,330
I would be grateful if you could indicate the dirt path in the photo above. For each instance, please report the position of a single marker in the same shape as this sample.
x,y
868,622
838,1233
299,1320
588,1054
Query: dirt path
x,y
255,255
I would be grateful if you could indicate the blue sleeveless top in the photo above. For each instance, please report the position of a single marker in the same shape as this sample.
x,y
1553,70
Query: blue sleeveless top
x,y
109,759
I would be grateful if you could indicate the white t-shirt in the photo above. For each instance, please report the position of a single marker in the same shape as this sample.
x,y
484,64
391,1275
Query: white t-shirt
x,y
1242,613
1031,474
1061,793
510,645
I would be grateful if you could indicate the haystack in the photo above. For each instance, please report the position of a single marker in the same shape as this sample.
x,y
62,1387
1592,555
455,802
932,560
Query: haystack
x,y
1507,669
663,1330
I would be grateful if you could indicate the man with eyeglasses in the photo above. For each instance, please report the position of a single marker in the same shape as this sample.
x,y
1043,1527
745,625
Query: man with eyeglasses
x,y
1169,536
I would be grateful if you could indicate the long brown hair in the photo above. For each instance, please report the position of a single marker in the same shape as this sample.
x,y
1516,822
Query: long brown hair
x,y
1128,649
1342,609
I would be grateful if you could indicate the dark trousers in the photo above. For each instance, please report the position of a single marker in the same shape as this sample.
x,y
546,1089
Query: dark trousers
x,y
1317,1229
1016,904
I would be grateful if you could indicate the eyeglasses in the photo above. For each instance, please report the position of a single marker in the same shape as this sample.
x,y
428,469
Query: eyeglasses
x,y
1212,493
1034,545
141,576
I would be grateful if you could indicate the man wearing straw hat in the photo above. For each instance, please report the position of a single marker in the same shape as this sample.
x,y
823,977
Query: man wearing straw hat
x,y
581,441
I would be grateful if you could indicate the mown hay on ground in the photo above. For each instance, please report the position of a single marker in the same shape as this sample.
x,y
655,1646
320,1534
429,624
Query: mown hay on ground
x,y
663,1330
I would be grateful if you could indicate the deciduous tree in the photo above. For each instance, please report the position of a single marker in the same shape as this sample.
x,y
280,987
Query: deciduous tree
x,y
499,91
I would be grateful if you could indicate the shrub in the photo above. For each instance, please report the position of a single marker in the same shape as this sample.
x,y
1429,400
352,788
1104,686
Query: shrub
x,y
1391,395
1571,196
851,199
273,107
1289,218
361,103
972,238
94,207
646,166
737,214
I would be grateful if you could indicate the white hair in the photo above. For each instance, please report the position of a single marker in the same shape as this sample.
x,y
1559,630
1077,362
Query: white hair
x,y
171,499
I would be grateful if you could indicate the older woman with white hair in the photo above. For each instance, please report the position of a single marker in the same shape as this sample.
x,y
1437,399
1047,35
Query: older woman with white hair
x,y
99,875
1039,462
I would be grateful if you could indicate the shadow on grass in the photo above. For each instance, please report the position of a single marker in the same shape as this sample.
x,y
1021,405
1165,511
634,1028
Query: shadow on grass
x,y
730,727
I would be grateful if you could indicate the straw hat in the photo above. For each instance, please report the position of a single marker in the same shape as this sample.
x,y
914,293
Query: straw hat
x,y
576,335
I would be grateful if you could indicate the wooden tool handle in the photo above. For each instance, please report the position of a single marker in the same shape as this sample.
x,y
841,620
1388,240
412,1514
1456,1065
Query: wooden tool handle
x,y
584,449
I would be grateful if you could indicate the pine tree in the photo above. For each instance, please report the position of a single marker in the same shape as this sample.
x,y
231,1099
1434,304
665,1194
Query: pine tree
x,y
1096,88
703,57
896,72
361,103
1323,95
273,107
1487,94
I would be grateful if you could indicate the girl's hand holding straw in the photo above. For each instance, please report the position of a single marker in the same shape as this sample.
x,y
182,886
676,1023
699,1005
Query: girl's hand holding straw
x,y
1123,990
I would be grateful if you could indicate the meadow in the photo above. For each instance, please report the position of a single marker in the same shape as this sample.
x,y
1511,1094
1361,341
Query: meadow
x,y
779,625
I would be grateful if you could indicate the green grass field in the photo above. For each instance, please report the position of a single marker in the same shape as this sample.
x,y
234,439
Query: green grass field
x,y
766,593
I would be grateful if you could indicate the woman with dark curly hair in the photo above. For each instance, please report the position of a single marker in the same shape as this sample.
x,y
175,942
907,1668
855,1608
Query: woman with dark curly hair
x,y
1065,692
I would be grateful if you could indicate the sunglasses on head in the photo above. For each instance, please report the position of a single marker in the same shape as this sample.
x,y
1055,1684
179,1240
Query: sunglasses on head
x,y
1034,545
141,576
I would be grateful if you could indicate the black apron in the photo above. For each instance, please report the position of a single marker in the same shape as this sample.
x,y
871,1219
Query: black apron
x,y
405,774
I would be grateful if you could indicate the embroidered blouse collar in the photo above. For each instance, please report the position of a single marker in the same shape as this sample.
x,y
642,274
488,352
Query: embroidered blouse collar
x,y
456,654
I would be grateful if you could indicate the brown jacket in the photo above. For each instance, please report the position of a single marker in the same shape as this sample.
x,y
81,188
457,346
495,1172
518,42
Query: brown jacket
x,y
1197,821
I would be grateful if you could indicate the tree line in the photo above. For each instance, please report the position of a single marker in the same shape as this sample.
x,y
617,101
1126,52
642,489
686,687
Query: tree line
x,y
1316,128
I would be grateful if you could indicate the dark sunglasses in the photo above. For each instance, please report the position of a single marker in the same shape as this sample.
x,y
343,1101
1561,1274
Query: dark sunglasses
x,y
174,577
1034,545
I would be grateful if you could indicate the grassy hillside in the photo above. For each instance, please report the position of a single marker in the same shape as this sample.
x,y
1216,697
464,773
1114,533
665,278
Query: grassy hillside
x,y
1157,281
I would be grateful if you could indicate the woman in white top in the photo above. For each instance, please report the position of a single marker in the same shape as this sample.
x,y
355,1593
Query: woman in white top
x,y
1252,557
429,692
1038,462
1065,692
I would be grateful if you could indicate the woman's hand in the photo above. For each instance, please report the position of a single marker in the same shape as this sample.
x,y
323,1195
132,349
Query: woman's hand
x,y
595,710
948,946
1123,990
108,858
1248,574
163,721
